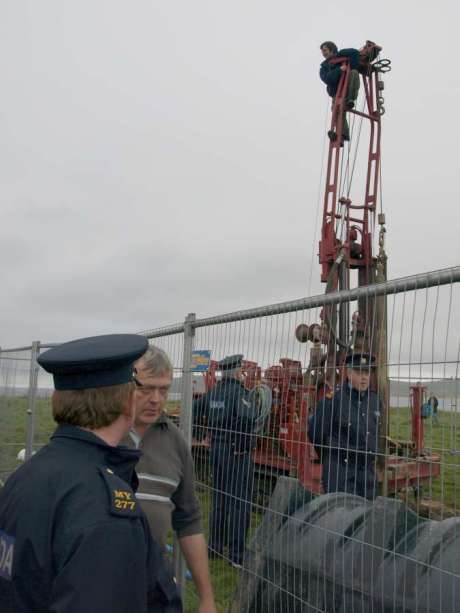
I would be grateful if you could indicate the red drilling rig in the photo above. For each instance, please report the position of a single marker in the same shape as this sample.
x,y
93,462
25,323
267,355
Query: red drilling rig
x,y
346,245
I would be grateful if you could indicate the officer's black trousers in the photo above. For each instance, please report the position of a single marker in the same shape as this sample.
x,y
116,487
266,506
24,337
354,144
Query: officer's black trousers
x,y
233,476
350,478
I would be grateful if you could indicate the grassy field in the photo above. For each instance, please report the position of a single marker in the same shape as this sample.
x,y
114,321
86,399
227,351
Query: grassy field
x,y
443,439
13,428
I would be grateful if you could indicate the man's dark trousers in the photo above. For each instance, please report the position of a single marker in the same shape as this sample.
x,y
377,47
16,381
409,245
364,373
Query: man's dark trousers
x,y
231,499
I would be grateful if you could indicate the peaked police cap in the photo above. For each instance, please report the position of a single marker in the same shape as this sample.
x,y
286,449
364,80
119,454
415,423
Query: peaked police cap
x,y
359,360
230,362
96,361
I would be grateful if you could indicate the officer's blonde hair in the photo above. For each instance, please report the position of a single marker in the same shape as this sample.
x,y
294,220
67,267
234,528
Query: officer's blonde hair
x,y
156,362
91,408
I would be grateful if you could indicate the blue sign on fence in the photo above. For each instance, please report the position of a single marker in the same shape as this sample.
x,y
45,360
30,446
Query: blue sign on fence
x,y
201,359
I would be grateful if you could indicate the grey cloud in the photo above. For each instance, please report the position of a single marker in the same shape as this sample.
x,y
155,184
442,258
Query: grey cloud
x,y
167,158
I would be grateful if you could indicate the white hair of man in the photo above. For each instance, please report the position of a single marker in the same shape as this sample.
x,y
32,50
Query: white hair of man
x,y
156,362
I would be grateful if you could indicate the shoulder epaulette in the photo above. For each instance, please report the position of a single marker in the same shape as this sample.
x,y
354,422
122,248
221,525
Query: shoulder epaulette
x,y
122,498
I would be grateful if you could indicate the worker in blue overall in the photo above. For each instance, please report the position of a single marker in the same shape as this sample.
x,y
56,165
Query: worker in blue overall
x,y
345,431
433,403
228,417
73,536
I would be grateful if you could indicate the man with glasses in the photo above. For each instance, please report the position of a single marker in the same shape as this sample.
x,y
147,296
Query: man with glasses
x,y
165,470
345,430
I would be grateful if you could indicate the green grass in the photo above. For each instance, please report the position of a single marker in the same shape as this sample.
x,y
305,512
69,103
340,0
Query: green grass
x,y
224,577
13,428
443,439
224,580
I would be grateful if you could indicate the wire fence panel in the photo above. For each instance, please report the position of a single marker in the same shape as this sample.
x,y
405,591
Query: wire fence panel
x,y
320,537
14,393
238,469
326,441
423,354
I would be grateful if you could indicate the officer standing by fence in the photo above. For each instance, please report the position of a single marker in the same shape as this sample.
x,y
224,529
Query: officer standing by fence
x,y
229,418
73,537
345,430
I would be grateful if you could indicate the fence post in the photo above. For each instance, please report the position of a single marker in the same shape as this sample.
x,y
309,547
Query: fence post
x,y
383,382
32,399
185,423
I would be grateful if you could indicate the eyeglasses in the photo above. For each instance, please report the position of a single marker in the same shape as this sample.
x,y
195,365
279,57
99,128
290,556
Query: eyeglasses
x,y
145,390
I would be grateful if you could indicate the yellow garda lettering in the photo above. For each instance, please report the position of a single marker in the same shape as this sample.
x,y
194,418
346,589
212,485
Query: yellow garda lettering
x,y
123,500
123,494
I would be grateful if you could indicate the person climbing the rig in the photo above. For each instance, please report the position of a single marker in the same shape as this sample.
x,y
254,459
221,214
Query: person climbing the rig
x,y
330,74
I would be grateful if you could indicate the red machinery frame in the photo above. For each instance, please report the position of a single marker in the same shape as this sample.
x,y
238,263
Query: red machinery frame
x,y
284,447
356,217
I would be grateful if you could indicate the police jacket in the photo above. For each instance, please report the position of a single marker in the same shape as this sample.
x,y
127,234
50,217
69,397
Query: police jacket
x,y
74,536
228,414
331,73
345,428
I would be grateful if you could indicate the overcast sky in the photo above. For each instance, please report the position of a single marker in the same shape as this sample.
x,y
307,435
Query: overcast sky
x,y
158,158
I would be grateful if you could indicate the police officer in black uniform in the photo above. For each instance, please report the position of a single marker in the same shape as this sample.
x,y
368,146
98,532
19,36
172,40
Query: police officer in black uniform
x,y
345,431
72,535
229,419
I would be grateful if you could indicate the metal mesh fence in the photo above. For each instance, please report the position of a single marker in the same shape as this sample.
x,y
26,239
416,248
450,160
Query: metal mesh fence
x,y
14,399
301,549
25,406
323,488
